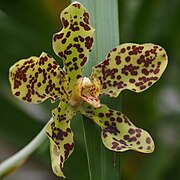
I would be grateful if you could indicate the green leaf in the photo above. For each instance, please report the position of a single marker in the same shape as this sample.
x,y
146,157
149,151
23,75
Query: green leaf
x,y
103,163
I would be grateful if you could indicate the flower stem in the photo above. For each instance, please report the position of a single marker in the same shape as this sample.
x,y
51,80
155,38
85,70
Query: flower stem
x,y
16,160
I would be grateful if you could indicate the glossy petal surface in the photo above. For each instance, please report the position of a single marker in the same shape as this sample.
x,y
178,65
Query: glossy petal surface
x,y
61,137
130,66
37,78
118,133
75,41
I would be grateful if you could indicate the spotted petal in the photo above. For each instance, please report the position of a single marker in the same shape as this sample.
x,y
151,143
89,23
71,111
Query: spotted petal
x,y
75,41
118,133
37,78
61,137
130,66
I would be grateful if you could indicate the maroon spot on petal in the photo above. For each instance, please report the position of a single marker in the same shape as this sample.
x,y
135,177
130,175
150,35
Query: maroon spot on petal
x,y
128,58
67,52
132,80
134,138
119,119
145,71
118,77
81,38
123,142
65,23
138,130
58,36
142,87
71,68
115,144
81,56
130,140
135,73
81,24
141,47
131,131
138,84
105,134
78,76
88,42
76,5
17,93
114,49
101,115
139,61
126,137
68,147
147,53
74,27
123,50
86,17
119,148
74,59
69,46
86,27
24,98
63,41
68,130
109,54
61,54
83,61
164,55
61,158
138,142
138,135
128,48
148,140
39,84
28,86
68,34
75,39
112,119
156,71
118,60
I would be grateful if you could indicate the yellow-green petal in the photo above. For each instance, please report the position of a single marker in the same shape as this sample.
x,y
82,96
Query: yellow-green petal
x,y
37,78
74,42
131,66
61,137
118,133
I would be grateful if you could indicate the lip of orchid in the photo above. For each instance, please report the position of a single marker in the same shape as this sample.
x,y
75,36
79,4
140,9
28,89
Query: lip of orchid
x,y
85,90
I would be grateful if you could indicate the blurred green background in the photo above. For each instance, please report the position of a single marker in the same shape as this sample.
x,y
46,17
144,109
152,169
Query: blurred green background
x,y
26,29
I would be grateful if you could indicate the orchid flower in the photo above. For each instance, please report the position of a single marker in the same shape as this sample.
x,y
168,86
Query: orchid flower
x,y
129,66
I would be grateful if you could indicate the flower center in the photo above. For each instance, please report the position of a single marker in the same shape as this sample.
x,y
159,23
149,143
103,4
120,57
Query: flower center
x,y
86,90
